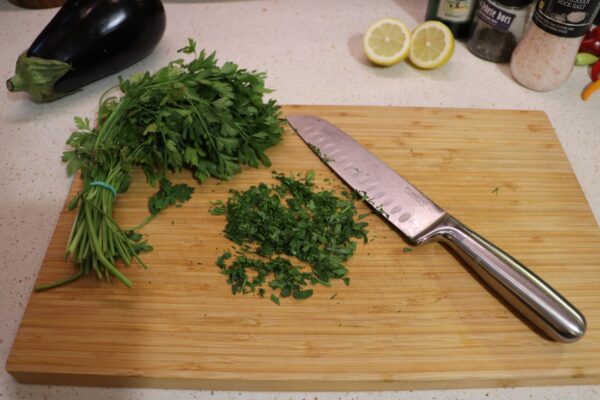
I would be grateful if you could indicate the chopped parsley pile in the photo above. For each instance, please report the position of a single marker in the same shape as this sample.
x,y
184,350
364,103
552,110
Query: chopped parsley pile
x,y
289,220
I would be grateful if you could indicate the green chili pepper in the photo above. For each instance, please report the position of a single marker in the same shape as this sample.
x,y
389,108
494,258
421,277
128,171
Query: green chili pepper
x,y
583,59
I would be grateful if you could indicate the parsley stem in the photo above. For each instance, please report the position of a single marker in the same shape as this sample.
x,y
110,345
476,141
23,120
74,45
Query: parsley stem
x,y
106,128
74,242
98,251
105,93
143,223
123,253
60,282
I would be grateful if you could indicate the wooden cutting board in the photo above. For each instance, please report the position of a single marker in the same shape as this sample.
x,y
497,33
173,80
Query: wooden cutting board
x,y
408,320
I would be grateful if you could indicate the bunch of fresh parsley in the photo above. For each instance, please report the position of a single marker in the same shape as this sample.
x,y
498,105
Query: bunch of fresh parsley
x,y
210,119
289,219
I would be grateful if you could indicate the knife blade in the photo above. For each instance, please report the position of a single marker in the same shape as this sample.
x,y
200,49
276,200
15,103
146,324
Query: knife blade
x,y
422,221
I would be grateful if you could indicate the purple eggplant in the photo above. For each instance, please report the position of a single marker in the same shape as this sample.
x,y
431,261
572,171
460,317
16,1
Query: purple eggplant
x,y
85,41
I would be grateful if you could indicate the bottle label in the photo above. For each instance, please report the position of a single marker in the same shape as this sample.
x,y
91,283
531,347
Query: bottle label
x,y
455,10
496,16
566,18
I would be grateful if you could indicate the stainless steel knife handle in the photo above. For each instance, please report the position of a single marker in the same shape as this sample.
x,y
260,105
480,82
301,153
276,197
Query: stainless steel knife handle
x,y
528,293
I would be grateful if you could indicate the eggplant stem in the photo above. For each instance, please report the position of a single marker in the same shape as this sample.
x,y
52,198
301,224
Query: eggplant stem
x,y
37,77
15,84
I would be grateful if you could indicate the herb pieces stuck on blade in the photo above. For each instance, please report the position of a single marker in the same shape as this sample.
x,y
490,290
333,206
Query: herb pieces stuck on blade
x,y
326,159
192,115
289,220
362,195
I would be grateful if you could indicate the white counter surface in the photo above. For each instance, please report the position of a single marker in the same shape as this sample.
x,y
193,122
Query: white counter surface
x,y
312,52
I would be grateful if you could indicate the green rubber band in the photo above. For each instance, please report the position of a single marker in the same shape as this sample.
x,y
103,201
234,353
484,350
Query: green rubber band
x,y
105,186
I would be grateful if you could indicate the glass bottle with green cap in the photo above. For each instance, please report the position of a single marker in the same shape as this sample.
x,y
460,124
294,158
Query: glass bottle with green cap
x,y
455,14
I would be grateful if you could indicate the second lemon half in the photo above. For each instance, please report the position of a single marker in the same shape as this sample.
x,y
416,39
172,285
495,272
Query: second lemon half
x,y
432,45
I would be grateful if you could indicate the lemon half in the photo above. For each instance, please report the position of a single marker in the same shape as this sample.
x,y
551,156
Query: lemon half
x,y
432,45
387,42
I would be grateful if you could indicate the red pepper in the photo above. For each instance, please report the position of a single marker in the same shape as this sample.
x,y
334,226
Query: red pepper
x,y
595,71
590,45
594,33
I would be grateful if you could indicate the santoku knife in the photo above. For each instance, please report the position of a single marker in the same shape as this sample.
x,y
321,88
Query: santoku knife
x,y
422,221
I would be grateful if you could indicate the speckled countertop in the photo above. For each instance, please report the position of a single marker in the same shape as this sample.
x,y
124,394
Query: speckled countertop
x,y
313,54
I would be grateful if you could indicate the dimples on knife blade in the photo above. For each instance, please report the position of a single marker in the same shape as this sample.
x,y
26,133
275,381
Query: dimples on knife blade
x,y
404,205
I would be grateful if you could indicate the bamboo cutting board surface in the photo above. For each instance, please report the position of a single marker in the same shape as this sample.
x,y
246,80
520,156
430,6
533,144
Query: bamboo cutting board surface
x,y
408,320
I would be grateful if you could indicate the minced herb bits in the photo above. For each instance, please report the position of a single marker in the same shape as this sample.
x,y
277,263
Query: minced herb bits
x,y
292,219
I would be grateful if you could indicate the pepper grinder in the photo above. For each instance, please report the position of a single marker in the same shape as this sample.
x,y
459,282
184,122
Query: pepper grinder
x,y
499,26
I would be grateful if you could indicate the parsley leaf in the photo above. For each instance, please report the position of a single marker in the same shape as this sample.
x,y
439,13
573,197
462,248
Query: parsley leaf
x,y
275,299
169,195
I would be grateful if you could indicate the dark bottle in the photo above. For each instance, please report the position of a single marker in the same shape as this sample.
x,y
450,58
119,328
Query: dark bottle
x,y
499,25
455,14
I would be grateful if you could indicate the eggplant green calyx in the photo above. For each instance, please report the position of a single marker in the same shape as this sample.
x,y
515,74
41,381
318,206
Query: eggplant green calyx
x,y
37,77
